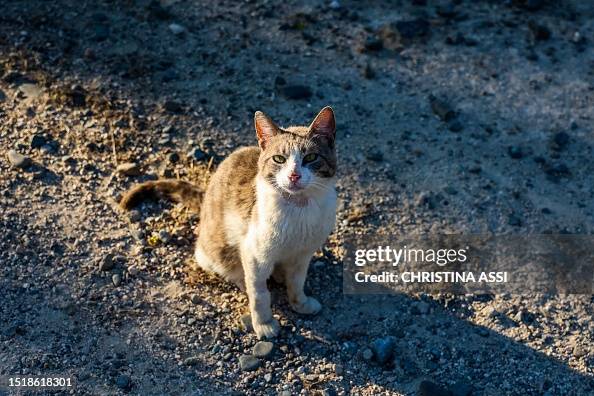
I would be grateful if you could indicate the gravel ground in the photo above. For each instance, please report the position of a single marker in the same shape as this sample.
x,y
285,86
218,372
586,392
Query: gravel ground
x,y
452,118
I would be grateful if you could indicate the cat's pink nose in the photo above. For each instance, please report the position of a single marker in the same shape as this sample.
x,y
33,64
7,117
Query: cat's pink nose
x,y
294,177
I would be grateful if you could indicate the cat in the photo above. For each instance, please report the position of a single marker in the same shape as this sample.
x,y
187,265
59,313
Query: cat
x,y
266,210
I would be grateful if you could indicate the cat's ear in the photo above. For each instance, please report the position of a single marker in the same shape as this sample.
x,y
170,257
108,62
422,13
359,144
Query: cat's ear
x,y
265,128
324,124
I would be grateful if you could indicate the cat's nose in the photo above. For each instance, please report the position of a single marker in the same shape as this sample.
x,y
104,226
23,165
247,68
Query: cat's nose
x,y
294,177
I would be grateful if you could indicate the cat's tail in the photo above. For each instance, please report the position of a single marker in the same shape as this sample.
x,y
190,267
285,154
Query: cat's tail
x,y
176,190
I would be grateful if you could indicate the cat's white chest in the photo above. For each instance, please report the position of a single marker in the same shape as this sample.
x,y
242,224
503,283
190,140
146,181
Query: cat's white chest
x,y
285,225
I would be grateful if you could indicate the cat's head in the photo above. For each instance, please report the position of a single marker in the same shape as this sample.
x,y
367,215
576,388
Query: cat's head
x,y
299,160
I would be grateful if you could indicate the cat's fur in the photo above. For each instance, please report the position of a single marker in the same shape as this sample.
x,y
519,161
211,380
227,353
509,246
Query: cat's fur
x,y
260,218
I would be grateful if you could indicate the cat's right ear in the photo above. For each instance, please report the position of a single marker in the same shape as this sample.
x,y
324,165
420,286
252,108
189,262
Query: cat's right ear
x,y
265,128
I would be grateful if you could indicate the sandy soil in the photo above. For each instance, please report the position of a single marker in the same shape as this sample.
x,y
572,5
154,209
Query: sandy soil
x,y
88,87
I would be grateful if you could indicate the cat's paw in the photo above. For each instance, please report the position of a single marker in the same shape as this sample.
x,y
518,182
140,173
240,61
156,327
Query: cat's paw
x,y
266,330
311,306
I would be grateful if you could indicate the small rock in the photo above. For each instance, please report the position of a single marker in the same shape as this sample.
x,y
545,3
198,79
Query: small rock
x,y
134,215
579,351
195,299
116,279
164,236
334,4
514,220
246,322
372,44
560,141
383,349
177,29
123,382
515,152
375,154
428,388
30,91
107,263
267,377
262,349
129,169
455,125
18,160
38,141
295,92
173,106
249,363
338,370
197,154
367,354
192,361
441,108
173,158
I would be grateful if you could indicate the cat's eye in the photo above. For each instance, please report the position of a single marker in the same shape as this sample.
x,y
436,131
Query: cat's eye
x,y
311,157
279,159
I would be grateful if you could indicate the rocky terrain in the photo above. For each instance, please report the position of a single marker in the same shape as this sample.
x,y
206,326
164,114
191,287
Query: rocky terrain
x,y
453,117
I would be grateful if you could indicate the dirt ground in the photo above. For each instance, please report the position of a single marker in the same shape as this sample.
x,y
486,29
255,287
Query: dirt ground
x,y
453,117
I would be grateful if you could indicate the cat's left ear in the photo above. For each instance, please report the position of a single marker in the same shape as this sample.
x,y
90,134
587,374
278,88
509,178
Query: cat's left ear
x,y
324,124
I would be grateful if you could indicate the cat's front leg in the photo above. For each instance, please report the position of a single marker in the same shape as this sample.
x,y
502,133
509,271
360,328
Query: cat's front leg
x,y
295,274
256,275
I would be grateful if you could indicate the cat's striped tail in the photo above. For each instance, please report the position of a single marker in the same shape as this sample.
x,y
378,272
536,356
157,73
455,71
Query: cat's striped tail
x,y
176,190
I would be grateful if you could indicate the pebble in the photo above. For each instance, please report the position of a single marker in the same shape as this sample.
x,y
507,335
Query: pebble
x,y
134,215
455,125
18,160
107,263
295,92
31,91
515,152
173,158
263,349
428,388
383,349
579,351
123,382
197,154
441,108
116,279
192,361
267,377
128,169
38,141
249,363
164,236
246,322
367,354
195,299
177,29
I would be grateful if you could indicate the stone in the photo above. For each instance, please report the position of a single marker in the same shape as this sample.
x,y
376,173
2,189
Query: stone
x,y
129,169
164,236
441,108
579,351
383,349
30,91
18,160
116,279
177,29
246,322
173,158
249,363
192,361
107,263
515,152
367,354
195,299
123,382
197,154
263,349
295,92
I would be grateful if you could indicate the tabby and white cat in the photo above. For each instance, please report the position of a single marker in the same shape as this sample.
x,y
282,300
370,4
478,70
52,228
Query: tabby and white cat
x,y
266,210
